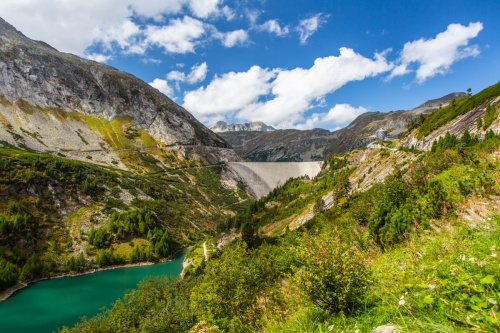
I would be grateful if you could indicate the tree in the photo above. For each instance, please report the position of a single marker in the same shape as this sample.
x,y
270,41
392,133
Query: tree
x,y
466,139
469,91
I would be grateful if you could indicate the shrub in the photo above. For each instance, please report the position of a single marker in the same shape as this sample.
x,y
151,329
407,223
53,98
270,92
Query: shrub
x,y
332,274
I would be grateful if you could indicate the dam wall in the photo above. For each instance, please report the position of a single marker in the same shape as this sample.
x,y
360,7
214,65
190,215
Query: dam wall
x,y
263,177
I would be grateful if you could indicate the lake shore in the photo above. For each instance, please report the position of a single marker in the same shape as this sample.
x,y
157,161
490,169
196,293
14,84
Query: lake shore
x,y
12,290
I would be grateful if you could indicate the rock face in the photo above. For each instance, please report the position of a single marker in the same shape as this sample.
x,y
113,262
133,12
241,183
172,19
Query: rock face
x,y
257,126
316,144
53,101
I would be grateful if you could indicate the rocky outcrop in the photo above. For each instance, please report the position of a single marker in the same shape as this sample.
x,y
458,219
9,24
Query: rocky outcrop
x,y
457,127
56,102
257,126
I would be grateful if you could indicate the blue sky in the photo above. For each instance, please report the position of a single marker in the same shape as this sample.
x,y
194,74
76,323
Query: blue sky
x,y
292,64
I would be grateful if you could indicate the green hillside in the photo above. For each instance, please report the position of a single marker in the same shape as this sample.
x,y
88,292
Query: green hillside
x,y
457,108
62,216
418,250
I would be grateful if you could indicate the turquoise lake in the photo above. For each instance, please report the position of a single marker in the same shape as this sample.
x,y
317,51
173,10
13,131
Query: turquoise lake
x,y
48,305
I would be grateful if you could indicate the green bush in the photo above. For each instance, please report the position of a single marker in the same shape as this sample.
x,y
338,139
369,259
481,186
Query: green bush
x,y
332,274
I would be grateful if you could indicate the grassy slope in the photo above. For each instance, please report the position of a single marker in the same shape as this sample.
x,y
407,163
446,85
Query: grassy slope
x,y
433,267
63,199
459,107
440,277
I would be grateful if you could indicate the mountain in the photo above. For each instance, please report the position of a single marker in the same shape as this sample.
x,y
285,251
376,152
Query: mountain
x,y
382,240
477,114
59,103
257,126
317,144
98,168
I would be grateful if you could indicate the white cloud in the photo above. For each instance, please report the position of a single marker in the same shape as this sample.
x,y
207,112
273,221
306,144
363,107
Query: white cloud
x,y
204,8
233,38
69,26
162,85
198,73
153,8
307,27
228,13
73,26
274,27
176,76
435,56
339,114
151,61
179,36
295,91
229,93
98,57
124,35
282,96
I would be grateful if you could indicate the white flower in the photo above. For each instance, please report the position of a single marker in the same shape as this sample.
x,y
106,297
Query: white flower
x,y
494,255
330,328
431,286
471,259
402,300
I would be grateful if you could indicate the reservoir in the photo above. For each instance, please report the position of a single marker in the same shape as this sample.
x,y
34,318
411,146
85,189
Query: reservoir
x,y
48,305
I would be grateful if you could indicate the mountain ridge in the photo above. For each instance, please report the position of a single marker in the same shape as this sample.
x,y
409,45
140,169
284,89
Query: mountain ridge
x,y
257,126
47,93
317,144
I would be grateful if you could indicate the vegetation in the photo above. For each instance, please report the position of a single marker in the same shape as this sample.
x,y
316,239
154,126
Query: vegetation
x,y
51,208
456,108
398,252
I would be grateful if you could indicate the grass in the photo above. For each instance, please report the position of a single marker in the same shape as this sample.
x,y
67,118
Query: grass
x,y
457,108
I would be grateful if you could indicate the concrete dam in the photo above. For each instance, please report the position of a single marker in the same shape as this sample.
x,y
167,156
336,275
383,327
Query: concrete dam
x,y
263,177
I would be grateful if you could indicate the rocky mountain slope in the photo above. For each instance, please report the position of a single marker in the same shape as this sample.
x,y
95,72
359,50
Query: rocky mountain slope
x,y
477,114
257,126
98,168
317,144
59,103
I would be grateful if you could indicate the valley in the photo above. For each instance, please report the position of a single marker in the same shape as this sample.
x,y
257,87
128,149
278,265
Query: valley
x,y
389,224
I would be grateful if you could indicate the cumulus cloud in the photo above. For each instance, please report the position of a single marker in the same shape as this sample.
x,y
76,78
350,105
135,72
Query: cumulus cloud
x,y
162,85
179,36
338,115
273,26
233,38
229,93
125,35
282,96
307,27
198,73
111,23
436,55
204,8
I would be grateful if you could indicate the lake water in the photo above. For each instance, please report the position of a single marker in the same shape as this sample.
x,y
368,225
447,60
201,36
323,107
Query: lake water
x,y
48,305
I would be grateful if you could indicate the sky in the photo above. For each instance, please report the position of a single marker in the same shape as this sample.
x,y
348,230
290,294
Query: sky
x,y
289,63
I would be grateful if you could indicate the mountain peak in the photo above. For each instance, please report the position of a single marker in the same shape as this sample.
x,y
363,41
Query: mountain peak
x,y
257,126
98,108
